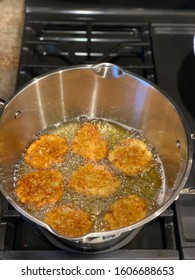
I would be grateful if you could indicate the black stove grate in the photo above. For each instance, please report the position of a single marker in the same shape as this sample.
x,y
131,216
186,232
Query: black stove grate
x,y
54,44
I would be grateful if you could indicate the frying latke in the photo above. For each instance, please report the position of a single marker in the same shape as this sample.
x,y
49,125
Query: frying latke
x,y
69,221
126,211
88,142
131,156
40,188
93,180
47,150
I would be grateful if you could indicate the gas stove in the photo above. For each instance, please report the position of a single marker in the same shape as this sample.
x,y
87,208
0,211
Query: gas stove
x,y
155,43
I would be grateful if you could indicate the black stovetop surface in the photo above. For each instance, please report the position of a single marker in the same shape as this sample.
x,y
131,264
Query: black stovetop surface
x,y
156,44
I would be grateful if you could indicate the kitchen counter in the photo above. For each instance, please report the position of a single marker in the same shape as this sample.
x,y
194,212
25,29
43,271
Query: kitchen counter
x,y
11,30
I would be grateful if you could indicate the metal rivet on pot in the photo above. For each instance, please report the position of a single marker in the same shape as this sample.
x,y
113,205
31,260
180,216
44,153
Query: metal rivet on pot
x,y
17,115
178,144
83,118
193,136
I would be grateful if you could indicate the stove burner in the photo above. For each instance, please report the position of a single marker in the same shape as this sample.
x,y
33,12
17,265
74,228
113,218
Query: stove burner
x,y
113,243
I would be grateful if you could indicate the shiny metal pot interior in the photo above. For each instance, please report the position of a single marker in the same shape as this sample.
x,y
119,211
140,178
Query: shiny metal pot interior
x,y
103,91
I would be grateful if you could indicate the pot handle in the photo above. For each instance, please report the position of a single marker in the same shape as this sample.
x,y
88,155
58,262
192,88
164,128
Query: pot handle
x,y
2,105
187,191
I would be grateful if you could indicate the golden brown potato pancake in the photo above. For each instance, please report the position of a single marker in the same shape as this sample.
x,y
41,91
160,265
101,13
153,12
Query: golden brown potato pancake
x,y
126,211
88,142
45,151
69,221
93,180
40,188
131,156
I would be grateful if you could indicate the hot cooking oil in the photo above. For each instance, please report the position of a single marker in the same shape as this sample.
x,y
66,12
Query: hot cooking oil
x,y
150,184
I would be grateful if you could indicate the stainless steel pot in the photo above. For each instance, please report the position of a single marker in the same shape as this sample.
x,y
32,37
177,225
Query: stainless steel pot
x,y
103,91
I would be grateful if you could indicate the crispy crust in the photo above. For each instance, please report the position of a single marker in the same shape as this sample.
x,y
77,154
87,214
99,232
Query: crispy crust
x,y
131,156
88,142
93,180
40,188
126,211
69,221
47,150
